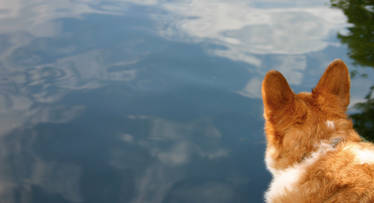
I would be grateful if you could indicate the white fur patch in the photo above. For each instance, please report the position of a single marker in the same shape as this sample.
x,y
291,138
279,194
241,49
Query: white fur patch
x,y
330,124
286,179
269,160
363,156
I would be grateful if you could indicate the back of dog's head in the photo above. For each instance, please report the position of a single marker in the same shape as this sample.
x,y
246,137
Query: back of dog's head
x,y
295,123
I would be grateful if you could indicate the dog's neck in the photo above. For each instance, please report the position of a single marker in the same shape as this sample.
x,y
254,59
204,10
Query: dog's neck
x,y
335,141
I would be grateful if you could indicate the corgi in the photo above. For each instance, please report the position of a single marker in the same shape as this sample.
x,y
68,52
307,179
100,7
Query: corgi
x,y
313,152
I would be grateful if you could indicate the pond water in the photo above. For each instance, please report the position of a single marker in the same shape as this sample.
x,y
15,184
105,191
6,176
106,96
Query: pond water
x,y
154,101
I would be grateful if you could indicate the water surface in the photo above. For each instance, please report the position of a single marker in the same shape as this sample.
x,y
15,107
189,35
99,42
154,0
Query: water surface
x,y
151,101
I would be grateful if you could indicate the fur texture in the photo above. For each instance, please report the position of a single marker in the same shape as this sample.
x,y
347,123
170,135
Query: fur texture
x,y
313,151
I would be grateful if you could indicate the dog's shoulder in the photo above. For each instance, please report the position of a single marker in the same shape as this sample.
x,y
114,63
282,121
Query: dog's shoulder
x,y
338,174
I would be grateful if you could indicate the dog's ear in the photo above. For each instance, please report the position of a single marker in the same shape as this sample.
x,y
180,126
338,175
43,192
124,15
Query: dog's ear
x,y
276,93
335,81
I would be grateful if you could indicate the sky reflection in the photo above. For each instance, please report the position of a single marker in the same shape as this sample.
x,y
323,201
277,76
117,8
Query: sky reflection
x,y
149,101
245,30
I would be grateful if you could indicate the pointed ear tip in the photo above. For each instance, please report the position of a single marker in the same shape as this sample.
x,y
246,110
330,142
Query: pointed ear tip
x,y
335,80
270,77
338,63
337,60
274,80
272,74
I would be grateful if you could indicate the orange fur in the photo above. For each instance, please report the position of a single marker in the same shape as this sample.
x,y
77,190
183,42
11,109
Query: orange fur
x,y
297,125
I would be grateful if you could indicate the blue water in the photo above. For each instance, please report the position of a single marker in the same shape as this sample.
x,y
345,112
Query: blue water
x,y
150,101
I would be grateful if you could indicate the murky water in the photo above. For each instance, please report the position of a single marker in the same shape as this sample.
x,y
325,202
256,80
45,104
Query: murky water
x,y
153,101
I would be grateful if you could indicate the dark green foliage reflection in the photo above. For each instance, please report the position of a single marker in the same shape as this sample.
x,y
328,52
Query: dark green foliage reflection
x,y
360,41
360,38
364,121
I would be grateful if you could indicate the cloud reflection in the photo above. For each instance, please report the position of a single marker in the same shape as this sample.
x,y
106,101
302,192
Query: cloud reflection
x,y
174,147
182,141
38,18
28,91
245,30
29,25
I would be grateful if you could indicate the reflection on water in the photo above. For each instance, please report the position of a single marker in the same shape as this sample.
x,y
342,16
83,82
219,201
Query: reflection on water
x,y
360,36
249,29
364,119
360,41
152,100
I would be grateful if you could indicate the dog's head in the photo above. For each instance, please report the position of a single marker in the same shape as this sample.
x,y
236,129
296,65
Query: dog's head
x,y
295,124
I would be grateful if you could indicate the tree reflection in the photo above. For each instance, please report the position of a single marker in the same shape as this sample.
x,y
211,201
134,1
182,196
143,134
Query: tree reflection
x,y
364,120
360,41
